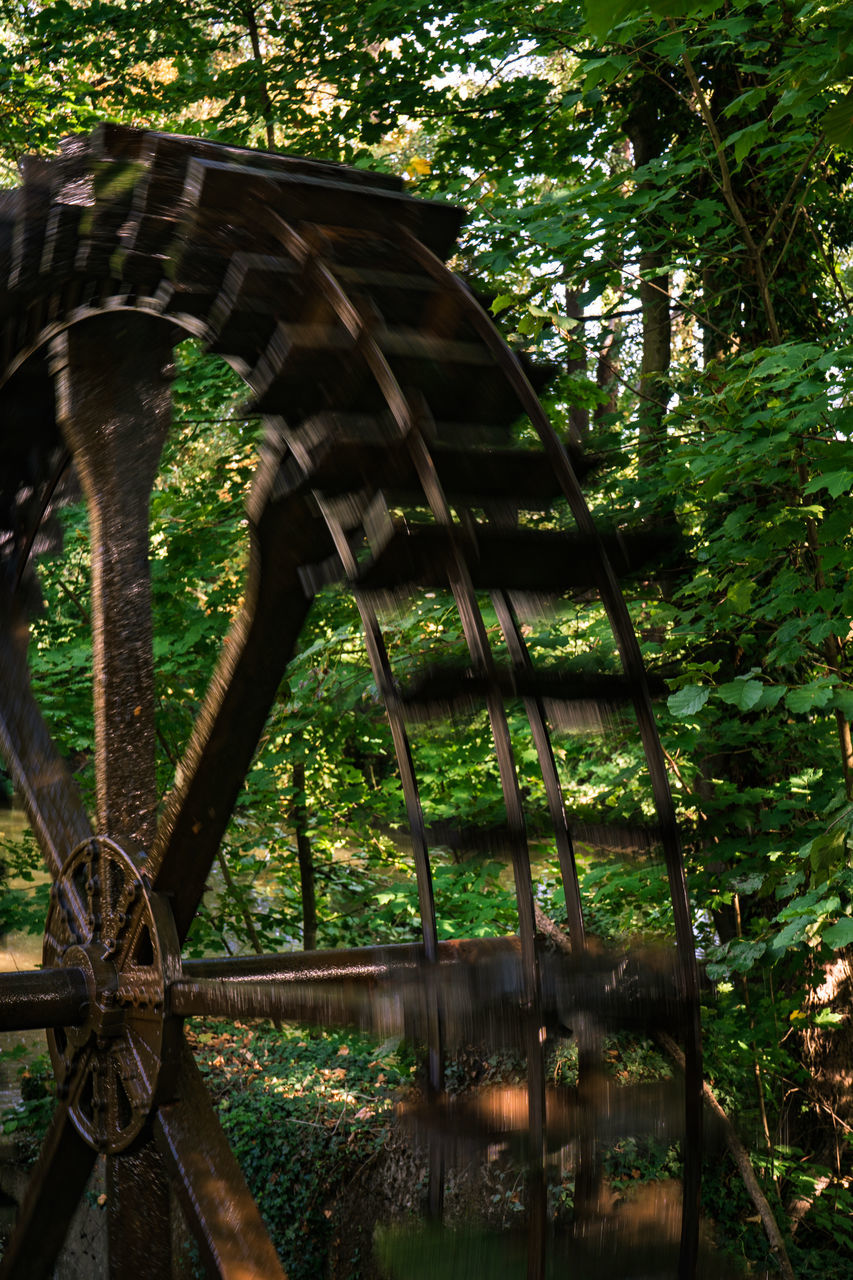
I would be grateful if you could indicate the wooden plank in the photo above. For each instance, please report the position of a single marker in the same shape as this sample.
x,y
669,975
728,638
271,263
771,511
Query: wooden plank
x,y
212,185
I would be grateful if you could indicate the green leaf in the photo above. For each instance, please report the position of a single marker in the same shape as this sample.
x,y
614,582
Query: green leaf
x,y
530,325
606,70
808,697
791,934
501,302
827,1018
743,694
744,139
771,695
603,15
843,699
687,701
840,934
827,850
837,482
837,122
749,883
677,8
739,595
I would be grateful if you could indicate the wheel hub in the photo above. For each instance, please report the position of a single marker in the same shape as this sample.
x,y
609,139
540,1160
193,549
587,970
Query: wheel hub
x,y
113,1066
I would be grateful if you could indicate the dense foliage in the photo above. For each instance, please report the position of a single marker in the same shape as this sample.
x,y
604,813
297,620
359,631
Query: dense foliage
x,y
659,202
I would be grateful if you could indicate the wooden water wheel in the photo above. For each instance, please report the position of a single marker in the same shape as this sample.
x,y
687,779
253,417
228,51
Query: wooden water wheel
x,y
384,387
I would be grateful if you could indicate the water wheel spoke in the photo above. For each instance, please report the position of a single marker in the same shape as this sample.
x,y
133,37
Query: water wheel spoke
x,y
113,409
56,1184
218,1205
128,929
141,1059
285,532
42,778
74,1071
66,925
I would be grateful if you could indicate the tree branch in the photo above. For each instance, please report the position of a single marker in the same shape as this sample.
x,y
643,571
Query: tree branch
x,y
741,1158
727,188
830,266
790,193
240,903
266,101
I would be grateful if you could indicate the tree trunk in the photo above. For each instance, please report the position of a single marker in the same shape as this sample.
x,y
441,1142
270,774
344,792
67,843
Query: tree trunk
x,y
607,371
646,132
266,100
578,415
306,860
827,1053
